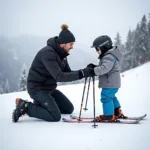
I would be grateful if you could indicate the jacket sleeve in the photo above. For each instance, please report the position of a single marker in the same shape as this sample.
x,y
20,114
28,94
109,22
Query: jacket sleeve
x,y
106,65
49,60
67,67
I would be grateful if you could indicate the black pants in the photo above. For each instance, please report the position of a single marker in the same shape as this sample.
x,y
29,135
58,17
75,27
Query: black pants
x,y
49,106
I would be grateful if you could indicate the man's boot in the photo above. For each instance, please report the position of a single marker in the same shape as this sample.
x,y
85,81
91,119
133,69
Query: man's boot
x,y
21,109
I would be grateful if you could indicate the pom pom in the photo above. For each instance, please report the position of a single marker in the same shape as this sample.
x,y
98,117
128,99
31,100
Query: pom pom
x,y
64,26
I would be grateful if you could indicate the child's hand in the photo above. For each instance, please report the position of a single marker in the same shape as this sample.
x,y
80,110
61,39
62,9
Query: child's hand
x,y
91,65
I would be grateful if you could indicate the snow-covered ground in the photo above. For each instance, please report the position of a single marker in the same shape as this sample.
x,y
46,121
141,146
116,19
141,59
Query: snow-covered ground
x,y
30,133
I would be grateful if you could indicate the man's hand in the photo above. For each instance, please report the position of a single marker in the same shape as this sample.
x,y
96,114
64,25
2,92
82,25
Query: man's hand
x,y
86,72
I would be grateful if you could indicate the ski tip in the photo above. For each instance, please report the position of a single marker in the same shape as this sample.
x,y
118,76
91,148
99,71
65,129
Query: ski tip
x,y
143,117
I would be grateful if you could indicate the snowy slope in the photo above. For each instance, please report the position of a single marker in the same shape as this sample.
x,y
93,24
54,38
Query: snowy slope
x,y
30,133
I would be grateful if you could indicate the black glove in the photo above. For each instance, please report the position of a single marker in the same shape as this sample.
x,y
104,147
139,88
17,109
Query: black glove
x,y
91,65
86,72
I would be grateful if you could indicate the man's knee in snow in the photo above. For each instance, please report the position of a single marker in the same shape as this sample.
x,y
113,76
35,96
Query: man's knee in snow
x,y
57,117
53,117
70,110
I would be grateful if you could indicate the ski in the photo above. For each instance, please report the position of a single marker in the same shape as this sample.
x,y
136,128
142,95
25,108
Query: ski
x,y
128,118
92,121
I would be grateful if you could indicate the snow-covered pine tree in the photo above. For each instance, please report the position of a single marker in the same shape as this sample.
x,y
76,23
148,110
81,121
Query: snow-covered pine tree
x,y
117,41
23,79
121,47
149,38
136,47
6,87
1,83
142,53
128,56
1,89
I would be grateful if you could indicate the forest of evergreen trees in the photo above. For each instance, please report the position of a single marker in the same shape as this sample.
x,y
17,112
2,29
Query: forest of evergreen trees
x,y
135,52
136,49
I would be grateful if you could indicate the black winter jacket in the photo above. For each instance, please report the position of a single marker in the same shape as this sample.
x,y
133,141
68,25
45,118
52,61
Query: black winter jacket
x,y
49,67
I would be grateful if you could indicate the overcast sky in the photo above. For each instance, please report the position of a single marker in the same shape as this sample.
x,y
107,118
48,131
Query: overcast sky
x,y
87,19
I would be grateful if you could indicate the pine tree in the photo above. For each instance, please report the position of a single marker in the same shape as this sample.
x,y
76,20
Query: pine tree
x,y
149,38
142,55
129,50
23,79
1,89
121,47
6,88
136,48
118,40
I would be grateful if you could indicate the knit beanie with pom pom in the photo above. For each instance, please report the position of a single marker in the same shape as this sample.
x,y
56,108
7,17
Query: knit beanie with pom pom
x,y
65,36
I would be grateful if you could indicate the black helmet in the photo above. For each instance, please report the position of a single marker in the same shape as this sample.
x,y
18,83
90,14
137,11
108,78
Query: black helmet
x,y
101,41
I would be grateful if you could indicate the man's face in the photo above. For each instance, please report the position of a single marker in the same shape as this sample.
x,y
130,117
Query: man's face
x,y
68,46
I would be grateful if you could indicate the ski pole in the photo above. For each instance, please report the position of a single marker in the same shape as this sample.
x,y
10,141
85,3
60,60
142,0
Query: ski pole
x,y
94,101
87,95
82,98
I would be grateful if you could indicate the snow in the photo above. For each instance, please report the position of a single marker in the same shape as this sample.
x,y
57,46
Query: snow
x,y
31,133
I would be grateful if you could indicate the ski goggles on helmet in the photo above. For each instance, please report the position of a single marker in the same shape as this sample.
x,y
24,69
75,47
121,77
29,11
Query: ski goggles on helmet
x,y
99,47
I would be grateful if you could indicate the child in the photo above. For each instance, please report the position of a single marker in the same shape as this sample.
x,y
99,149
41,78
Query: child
x,y
109,77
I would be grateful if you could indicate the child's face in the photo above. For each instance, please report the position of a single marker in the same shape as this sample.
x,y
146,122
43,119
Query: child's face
x,y
99,52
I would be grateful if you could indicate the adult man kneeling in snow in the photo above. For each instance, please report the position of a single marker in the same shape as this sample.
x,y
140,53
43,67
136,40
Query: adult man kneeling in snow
x,y
49,67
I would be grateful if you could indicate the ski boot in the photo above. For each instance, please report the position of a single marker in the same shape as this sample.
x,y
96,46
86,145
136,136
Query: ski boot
x,y
103,118
119,114
21,109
